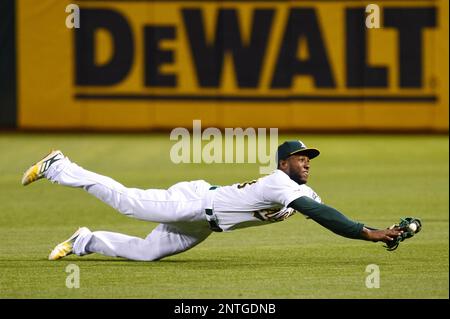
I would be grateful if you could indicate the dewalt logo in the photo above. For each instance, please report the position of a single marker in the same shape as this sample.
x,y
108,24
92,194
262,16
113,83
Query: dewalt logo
x,y
254,51
289,64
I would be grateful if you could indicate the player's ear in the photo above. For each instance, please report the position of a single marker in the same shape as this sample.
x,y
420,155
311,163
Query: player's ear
x,y
282,165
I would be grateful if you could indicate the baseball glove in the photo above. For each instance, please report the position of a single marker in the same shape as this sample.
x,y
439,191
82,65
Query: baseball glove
x,y
410,227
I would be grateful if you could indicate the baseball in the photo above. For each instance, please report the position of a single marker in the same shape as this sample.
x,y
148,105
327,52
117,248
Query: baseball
x,y
413,227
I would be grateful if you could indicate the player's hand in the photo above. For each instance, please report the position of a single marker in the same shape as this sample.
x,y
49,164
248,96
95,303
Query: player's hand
x,y
384,235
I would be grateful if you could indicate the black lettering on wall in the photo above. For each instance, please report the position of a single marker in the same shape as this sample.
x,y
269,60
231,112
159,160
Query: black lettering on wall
x,y
155,56
410,23
302,23
208,57
87,72
359,73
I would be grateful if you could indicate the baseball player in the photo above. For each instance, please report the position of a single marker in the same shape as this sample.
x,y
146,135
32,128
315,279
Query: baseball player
x,y
188,212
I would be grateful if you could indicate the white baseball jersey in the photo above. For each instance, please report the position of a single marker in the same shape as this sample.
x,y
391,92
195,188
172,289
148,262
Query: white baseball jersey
x,y
259,201
181,210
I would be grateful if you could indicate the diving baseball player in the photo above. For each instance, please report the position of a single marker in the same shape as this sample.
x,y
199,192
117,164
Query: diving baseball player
x,y
188,212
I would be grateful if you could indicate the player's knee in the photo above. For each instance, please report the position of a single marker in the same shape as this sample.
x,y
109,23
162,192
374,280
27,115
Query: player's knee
x,y
149,257
125,206
126,211
145,250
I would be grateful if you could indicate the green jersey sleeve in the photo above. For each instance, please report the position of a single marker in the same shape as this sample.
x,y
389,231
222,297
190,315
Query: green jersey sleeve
x,y
328,217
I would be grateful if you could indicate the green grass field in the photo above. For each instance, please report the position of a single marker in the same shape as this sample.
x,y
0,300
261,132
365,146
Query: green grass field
x,y
375,179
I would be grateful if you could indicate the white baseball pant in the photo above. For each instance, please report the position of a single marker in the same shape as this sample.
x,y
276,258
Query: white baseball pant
x,y
179,209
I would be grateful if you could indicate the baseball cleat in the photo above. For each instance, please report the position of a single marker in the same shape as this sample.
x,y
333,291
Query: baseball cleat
x,y
38,170
66,247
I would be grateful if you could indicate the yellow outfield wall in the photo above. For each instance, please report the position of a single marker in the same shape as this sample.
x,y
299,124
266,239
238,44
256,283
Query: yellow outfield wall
x,y
311,65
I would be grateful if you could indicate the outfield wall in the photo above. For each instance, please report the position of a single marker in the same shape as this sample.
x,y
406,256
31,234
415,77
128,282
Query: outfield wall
x,y
306,65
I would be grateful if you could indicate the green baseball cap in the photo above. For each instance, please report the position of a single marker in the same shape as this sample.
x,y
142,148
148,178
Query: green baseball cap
x,y
289,148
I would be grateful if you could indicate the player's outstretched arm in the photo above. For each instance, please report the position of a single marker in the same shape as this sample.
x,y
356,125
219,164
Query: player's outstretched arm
x,y
338,223
384,235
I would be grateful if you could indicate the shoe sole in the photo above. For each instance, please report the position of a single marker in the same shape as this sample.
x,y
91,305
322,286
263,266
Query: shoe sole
x,y
32,174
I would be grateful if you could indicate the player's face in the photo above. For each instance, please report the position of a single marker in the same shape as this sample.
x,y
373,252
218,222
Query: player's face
x,y
297,168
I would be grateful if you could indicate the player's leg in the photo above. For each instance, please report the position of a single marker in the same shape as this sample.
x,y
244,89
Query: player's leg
x,y
165,240
182,202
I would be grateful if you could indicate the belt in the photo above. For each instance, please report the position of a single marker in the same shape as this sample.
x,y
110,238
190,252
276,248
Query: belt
x,y
211,217
212,220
